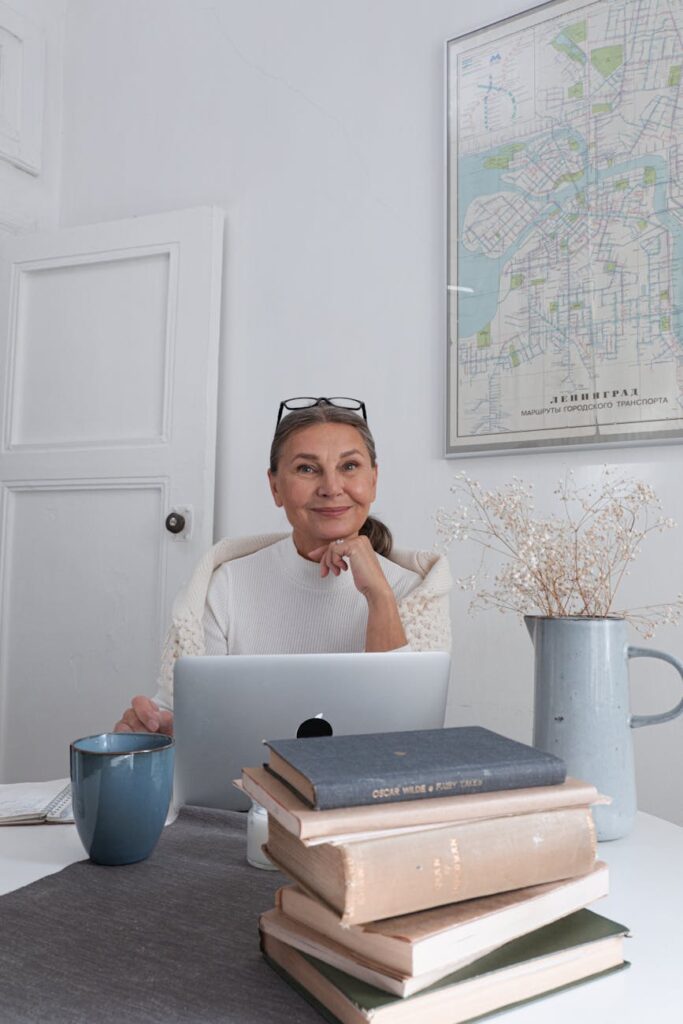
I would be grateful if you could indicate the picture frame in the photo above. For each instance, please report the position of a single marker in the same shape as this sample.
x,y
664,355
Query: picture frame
x,y
22,76
564,230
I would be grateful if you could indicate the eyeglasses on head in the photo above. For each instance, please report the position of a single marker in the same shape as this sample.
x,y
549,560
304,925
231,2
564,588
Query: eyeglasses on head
x,y
307,402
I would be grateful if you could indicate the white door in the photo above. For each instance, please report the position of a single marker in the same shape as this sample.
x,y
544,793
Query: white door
x,y
108,384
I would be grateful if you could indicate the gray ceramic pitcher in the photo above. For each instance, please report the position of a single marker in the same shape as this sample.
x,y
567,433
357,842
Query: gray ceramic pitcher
x,y
582,711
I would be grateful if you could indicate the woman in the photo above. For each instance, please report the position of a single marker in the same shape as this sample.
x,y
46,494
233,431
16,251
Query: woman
x,y
333,584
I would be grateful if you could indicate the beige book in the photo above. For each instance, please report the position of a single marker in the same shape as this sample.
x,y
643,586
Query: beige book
x,y
578,947
373,878
275,923
433,942
313,826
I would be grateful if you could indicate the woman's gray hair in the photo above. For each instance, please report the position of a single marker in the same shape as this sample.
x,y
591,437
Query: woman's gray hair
x,y
377,533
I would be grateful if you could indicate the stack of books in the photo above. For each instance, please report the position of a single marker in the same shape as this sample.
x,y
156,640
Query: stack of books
x,y
439,875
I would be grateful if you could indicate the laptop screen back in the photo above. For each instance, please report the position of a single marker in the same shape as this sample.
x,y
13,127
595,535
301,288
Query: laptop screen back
x,y
225,706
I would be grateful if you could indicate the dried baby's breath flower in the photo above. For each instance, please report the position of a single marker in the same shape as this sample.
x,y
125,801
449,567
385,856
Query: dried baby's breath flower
x,y
567,564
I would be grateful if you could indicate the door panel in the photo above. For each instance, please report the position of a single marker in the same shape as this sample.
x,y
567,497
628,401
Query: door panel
x,y
65,632
108,355
110,319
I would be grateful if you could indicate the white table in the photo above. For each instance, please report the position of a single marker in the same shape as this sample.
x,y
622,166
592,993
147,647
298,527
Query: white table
x,y
646,871
30,852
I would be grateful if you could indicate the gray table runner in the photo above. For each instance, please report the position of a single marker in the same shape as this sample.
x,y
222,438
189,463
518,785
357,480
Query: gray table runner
x,y
172,939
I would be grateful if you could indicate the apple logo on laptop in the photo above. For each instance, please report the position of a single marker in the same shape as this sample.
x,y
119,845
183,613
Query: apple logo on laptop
x,y
317,726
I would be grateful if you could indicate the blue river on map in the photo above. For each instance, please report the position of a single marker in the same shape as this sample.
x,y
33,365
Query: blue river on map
x,y
483,273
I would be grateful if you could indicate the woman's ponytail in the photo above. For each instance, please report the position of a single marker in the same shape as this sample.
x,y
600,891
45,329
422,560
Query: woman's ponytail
x,y
378,534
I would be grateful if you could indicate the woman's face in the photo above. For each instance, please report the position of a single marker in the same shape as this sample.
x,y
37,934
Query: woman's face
x,y
325,483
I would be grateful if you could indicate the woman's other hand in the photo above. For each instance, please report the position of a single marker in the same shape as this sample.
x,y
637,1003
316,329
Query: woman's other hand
x,y
144,715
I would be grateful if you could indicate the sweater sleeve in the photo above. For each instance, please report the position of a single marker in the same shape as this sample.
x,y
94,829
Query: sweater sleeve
x,y
216,619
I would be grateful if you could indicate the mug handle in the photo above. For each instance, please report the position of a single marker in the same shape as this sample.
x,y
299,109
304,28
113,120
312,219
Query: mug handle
x,y
666,716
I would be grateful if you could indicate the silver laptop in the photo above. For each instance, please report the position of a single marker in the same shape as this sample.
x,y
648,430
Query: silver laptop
x,y
225,706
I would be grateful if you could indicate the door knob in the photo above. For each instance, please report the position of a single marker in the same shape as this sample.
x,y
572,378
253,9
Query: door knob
x,y
175,523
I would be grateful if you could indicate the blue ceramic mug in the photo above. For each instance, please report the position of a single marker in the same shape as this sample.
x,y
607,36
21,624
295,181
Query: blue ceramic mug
x,y
121,785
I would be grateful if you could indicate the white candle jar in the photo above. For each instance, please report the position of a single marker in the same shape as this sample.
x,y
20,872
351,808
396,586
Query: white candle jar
x,y
257,836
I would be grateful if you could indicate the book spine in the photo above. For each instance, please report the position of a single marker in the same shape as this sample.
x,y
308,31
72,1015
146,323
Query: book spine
x,y
464,862
402,874
441,783
308,824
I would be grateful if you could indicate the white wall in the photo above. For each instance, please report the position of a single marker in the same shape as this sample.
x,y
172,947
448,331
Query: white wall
x,y
318,126
28,201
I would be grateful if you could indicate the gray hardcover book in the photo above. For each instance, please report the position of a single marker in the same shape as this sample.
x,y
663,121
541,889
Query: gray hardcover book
x,y
346,771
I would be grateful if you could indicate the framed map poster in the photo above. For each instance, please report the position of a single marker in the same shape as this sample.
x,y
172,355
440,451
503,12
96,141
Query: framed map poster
x,y
565,228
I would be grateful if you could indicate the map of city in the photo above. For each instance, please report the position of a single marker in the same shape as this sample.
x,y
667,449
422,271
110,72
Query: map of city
x,y
566,227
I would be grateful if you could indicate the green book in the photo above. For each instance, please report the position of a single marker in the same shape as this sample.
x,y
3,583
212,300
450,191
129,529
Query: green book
x,y
576,948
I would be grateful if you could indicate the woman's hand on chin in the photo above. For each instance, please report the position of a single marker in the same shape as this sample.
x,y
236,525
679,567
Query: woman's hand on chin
x,y
354,553
144,715
384,630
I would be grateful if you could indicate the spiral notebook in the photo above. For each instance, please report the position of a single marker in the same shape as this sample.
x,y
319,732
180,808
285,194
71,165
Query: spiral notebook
x,y
36,803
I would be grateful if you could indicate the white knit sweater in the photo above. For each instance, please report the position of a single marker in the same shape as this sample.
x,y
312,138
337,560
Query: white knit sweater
x,y
276,602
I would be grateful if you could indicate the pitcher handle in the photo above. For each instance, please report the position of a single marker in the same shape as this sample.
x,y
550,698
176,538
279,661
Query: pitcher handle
x,y
666,716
